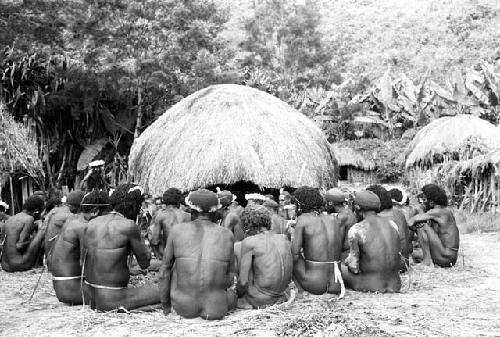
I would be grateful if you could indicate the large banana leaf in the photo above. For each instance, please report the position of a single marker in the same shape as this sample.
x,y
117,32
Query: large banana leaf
x,y
90,152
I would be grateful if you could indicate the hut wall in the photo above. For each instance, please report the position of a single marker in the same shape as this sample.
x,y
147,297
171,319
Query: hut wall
x,y
355,176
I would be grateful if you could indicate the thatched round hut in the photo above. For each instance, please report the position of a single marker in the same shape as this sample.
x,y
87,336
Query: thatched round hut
x,y
356,164
20,166
459,153
229,133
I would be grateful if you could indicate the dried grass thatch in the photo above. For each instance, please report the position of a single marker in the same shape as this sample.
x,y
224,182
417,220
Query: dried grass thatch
x,y
452,135
228,133
18,151
349,155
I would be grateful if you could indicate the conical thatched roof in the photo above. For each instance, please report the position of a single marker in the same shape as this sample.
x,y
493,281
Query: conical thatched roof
x,y
349,155
227,133
18,151
452,135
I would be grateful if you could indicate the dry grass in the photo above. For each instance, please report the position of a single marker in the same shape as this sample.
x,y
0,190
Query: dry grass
x,y
234,133
461,301
477,222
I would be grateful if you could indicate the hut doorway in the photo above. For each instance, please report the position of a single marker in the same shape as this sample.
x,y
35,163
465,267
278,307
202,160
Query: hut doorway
x,y
343,173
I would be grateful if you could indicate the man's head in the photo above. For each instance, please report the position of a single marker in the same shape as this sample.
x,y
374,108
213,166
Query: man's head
x,y
271,205
336,200
172,196
255,219
34,206
94,204
73,200
383,195
399,197
158,202
365,201
226,198
308,199
432,195
127,199
255,199
202,202
285,198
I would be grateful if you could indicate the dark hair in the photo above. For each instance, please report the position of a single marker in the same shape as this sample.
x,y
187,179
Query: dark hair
x,y
396,194
435,193
308,199
172,196
383,195
93,199
33,204
254,218
125,201
2,208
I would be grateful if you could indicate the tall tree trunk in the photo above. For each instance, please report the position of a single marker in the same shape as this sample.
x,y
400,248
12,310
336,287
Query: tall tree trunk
x,y
139,113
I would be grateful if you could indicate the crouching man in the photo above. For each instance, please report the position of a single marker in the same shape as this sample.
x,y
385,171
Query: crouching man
x,y
265,261
22,243
436,228
373,261
198,264
67,252
109,240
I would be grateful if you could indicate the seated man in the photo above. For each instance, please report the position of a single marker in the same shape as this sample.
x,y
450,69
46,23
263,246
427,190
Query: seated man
x,y
278,223
165,219
66,258
316,246
229,215
336,205
373,261
198,266
56,218
265,261
20,252
397,219
436,228
109,240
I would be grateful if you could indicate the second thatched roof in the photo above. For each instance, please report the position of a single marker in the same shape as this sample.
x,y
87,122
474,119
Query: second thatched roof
x,y
228,133
452,136
18,151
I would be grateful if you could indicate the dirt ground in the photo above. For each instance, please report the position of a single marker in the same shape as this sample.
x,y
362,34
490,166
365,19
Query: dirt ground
x,y
461,301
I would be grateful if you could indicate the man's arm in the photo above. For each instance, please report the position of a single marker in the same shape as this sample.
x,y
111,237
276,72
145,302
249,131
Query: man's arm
x,y
245,267
141,252
28,228
297,240
232,267
166,273
429,215
352,260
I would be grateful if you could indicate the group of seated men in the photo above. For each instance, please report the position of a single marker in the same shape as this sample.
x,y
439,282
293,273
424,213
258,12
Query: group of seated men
x,y
216,255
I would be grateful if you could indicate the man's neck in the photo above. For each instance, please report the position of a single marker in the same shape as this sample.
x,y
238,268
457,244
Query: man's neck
x,y
369,214
171,207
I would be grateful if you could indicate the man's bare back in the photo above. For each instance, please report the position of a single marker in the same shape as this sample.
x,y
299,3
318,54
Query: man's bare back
x,y
321,239
164,220
198,270
265,269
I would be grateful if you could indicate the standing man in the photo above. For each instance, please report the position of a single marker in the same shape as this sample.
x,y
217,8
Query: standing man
x,y
436,228
68,251
197,272
20,252
397,219
316,246
373,261
95,180
165,219
278,223
109,240
56,218
265,261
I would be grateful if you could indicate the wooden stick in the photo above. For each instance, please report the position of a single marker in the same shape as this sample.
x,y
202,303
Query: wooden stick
x,y
11,195
37,283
